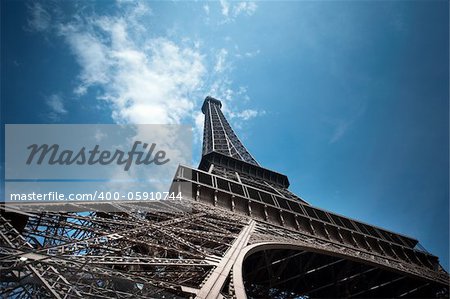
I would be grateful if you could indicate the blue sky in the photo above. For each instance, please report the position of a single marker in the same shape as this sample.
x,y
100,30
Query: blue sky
x,y
350,99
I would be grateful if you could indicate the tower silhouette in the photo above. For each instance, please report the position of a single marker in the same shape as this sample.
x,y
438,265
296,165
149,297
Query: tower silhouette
x,y
238,232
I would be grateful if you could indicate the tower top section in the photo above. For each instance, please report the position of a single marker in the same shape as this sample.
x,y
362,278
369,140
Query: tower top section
x,y
223,148
211,100
218,136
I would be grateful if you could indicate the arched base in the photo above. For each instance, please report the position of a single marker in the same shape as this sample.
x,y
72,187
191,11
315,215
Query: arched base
x,y
287,271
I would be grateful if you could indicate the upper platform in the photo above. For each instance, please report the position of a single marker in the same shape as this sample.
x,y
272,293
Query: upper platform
x,y
211,100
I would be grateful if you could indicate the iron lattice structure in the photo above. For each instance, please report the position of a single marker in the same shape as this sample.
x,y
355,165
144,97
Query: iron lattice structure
x,y
238,232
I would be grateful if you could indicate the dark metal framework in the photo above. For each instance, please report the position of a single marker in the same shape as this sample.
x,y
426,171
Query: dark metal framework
x,y
238,232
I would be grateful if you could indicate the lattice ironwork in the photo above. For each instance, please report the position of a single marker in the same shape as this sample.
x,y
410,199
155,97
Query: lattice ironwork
x,y
219,136
238,232
144,253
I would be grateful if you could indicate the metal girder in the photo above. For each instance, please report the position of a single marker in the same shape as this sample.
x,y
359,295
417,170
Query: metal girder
x,y
96,255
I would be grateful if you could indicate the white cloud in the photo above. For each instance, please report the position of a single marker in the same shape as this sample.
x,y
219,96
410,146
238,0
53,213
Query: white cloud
x,y
148,79
39,19
55,102
225,5
91,55
339,131
246,114
221,63
56,105
252,54
141,9
248,8
230,12
145,81
206,9
249,54
342,125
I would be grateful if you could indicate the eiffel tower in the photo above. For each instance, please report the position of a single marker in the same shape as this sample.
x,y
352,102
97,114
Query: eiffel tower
x,y
238,232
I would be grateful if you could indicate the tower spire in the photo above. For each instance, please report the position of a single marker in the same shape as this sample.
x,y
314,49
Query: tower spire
x,y
223,149
218,136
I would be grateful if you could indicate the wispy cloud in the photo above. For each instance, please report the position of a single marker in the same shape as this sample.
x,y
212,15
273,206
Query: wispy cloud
x,y
206,9
56,105
221,61
231,10
252,54
239,118
225,5
39,19
249,54
340,128
247,114
91,55
248,8
342,125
